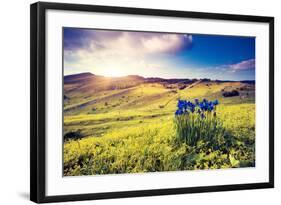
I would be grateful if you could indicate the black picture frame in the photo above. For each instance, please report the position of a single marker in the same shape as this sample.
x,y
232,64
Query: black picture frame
x,y
38,100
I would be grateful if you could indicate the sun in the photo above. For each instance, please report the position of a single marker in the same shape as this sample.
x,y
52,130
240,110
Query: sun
x,y
115,70
113,73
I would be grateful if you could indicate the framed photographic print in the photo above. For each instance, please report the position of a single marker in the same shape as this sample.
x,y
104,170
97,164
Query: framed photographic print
x,y
129,102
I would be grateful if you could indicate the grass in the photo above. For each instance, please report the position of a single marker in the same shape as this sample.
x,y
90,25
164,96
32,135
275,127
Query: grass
x,y
126,131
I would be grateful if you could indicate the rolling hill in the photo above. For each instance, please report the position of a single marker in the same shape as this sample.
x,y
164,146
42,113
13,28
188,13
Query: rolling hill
x,y
89,93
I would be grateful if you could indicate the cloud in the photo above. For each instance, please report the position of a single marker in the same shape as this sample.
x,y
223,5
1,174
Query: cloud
x,y
119,51
125,42
243,65
241,70
164,43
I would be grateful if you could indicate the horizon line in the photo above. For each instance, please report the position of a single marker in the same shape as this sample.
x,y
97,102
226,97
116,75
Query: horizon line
x,y
155,77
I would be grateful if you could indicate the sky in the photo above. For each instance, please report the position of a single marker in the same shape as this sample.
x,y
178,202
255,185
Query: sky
x,y
150,54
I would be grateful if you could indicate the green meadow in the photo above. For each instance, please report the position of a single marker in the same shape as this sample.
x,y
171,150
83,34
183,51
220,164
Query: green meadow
x,y
127,125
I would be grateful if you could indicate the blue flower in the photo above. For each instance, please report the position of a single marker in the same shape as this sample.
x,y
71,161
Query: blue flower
x,y
181,104
179,112
186,107
203,106
215,102
210,107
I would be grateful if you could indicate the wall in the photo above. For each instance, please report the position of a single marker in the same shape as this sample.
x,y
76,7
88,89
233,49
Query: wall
x,y
14,102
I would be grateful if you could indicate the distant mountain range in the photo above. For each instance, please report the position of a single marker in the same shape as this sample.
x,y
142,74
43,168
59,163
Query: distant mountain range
x,y
89,77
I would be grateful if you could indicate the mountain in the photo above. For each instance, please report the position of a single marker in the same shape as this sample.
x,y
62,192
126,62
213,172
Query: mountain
x,y
88,82
78,78
84,82
90,93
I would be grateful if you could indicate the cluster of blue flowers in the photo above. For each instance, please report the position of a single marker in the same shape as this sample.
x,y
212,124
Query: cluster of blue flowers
x,y
186,107
206,105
